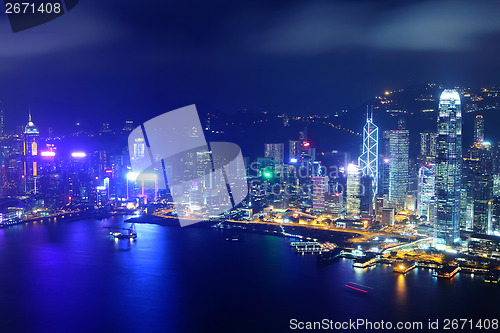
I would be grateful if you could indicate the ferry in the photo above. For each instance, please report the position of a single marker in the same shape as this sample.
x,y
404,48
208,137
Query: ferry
x,y
447,271
359,288
234,238
116,234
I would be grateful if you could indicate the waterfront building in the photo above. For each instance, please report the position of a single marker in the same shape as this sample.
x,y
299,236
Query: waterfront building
x,y
448,170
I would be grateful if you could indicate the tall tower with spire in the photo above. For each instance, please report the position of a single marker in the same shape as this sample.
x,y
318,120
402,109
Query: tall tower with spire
x,y
30,157
368,161
448,170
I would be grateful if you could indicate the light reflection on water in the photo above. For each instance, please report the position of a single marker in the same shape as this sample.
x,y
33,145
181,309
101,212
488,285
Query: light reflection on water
x,y
191,279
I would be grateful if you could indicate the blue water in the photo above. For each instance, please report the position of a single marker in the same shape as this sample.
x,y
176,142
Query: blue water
x,y
69,277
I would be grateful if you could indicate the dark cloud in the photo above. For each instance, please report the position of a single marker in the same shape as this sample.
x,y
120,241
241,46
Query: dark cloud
x,y
77,29
442,26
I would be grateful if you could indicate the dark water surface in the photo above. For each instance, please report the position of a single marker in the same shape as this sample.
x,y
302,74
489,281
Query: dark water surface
x,y
69,277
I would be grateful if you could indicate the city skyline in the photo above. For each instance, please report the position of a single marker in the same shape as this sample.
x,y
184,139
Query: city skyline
x,y
249,166
252,72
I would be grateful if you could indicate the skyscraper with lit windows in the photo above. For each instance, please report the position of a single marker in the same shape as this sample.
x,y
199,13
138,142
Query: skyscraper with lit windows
x,y
478,129
399,142
353,191
425,200
30,154
448,169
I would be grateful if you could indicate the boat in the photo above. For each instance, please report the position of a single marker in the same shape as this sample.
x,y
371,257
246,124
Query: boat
x,y
234,238
359,287
116,233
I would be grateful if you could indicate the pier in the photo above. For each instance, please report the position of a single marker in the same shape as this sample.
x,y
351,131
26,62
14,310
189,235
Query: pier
x,y
403,267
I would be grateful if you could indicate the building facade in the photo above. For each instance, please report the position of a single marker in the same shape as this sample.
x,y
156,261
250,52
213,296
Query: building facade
x,y
448,169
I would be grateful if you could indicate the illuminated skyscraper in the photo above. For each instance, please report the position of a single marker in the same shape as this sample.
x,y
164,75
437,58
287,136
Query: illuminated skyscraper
x,y
428,147
276,151
353,193
319,189
398,165
1,119
425,200
368,161
30,153
448,169
478,129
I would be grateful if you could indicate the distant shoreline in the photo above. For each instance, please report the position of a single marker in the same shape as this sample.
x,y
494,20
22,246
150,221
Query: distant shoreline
x,y
321,235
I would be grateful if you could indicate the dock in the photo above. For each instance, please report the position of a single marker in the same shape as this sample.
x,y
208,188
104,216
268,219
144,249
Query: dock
x,y
307,247
403,267
328,256
368,261
447,272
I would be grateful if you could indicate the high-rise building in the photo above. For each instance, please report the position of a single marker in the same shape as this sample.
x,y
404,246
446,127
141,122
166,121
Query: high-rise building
x,y
366,199
482,191
477,181
319,189
1,120
128,127
478,129
428,146
105,127
448,169
353,192
425,200
368,161
398,165
30,154
275,151
294,151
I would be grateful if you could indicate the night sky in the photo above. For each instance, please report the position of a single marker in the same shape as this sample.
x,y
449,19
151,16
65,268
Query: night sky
x,y
112,60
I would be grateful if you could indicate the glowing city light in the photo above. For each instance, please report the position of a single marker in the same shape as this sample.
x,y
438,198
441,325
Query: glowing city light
x,y
293,160
131,205
131,175
48,153
78,154
306,144
352,168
